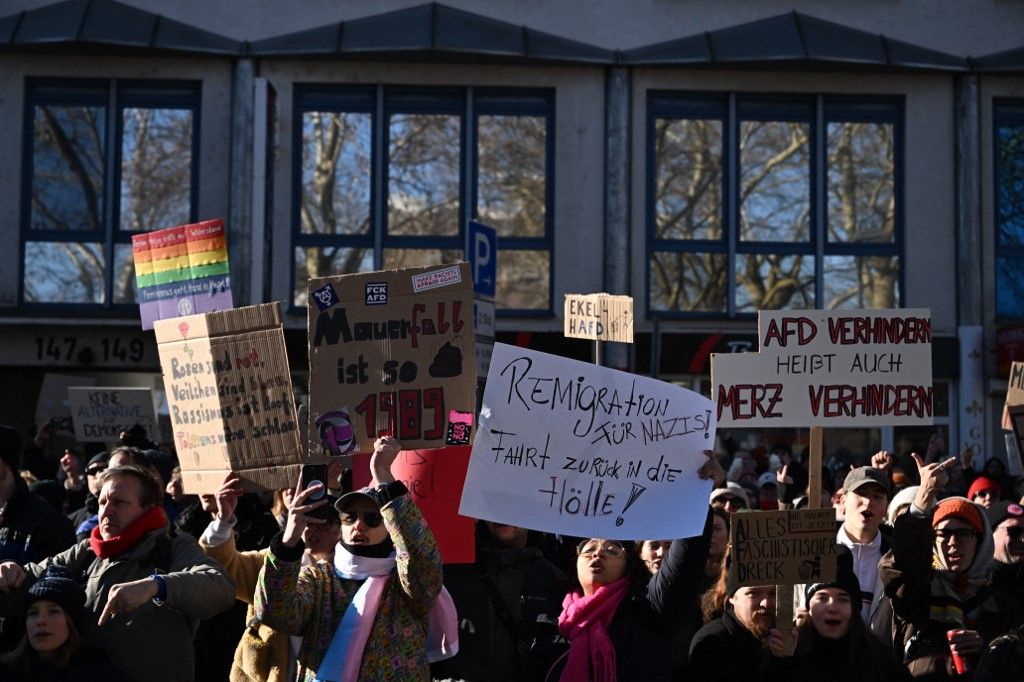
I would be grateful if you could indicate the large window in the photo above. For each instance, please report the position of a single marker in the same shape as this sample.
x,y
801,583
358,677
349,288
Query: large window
x,y
1009,162
388,177
103,159
772,203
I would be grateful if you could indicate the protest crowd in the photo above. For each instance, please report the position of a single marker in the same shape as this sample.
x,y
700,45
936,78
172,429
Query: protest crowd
x,y
109,571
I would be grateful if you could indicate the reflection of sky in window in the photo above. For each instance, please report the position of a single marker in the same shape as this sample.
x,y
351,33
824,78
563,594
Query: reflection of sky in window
x,y
1010,186
61,272
775,181
156,168
423,174
321,261
689,178
67,168
338,142
869,147
860,282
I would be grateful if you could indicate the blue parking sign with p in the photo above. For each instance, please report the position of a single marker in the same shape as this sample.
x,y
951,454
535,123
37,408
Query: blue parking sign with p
x,y
483,256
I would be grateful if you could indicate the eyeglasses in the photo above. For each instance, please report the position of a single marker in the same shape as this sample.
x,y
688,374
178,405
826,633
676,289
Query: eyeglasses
x,y
371,519
987,493
589,548
962,535
95,471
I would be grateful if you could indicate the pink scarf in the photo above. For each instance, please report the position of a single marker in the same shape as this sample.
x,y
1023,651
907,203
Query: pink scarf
x,y
584,622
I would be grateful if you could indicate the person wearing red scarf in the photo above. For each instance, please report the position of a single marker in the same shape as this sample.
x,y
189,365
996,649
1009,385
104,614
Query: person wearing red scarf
x,y
145,590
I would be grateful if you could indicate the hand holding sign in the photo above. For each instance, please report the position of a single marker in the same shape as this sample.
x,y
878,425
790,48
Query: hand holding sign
x,y
712,469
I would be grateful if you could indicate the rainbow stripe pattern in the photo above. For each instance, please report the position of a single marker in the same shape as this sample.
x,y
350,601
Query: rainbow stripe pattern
x,y
182,270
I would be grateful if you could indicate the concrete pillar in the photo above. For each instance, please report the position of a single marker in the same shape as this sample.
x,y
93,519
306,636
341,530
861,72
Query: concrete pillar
x,y
240,184
618,154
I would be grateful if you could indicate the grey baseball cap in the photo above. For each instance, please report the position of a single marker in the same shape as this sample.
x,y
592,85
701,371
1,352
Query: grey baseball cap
x,y
862,476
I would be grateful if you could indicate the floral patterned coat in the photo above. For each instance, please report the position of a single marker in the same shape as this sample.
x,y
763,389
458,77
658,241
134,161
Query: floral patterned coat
x,y
307,602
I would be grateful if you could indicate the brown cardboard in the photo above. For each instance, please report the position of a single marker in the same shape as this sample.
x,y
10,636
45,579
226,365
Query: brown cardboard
x,y
230,397
1014,393
395,337
601,317
783,547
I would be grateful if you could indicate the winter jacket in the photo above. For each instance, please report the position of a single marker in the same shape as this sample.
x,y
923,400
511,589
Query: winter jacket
x,y
644,625
1008,579
1004,660
309,602
30,530
821,659
907,574
151,643
725,650
262,653
508,604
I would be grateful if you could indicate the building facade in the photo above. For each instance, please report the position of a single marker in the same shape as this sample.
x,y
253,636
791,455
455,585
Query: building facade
x,y
709,159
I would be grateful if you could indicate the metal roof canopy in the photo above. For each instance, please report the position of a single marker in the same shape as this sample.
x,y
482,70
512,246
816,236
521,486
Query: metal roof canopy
x,y
1007,61
106,23
431,30
795,38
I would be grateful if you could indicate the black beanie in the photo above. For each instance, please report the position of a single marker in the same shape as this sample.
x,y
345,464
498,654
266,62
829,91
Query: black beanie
x,y
57,586
846,579
10,447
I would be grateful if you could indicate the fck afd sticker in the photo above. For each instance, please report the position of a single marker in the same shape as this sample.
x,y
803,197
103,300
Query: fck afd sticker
x,y
376,293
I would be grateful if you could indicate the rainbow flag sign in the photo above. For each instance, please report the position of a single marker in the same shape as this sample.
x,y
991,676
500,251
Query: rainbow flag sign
x,y
182,270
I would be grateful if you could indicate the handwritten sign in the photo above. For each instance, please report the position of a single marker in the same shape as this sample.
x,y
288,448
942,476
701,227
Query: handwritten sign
x,y
574,448
229,392
391,353
829,368
784,547
434,479
1014,393
601,317
101,414
181,271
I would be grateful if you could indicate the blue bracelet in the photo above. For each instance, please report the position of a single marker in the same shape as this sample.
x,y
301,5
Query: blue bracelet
x,y
161,593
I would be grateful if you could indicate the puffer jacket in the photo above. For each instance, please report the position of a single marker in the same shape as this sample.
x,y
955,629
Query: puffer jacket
x,y
152,643
309,602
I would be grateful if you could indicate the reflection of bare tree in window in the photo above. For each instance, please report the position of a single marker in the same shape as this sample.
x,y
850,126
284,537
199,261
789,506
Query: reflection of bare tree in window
x,y
423,174
511,191
688,205
64,272
861,208
1010,216
335,188
67,168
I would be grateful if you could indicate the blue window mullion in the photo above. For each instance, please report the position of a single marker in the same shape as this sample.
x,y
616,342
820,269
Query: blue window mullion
x,y
731,140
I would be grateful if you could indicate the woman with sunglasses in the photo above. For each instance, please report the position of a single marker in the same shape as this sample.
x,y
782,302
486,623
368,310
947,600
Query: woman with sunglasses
x,y
619,619
381,613
937,578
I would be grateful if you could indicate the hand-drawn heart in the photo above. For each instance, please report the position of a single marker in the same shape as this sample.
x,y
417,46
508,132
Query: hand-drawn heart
x,y
183,328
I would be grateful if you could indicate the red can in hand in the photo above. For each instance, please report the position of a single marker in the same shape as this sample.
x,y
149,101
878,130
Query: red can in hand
x,y
962,664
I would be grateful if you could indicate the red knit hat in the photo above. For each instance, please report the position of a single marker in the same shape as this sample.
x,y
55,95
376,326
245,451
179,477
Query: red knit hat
x,y
957,507
982,483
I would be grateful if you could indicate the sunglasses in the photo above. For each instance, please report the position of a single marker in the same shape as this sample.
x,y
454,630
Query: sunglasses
x,y
95,471
1014,532
589,549
371,519
962,535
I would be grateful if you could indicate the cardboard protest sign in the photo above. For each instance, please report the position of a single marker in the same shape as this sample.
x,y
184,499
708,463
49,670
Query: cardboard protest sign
x,y
601,317
1014,393
391,353
783,547
101,414
829,368
54,406
229,392
181,270
434,479
575,448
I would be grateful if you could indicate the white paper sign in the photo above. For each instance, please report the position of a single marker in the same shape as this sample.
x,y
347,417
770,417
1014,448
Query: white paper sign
x,y
100,414
573,448
829,368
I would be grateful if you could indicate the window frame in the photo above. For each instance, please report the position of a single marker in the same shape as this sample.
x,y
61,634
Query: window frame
x,y
380,102
1006,111
121,94
731,109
